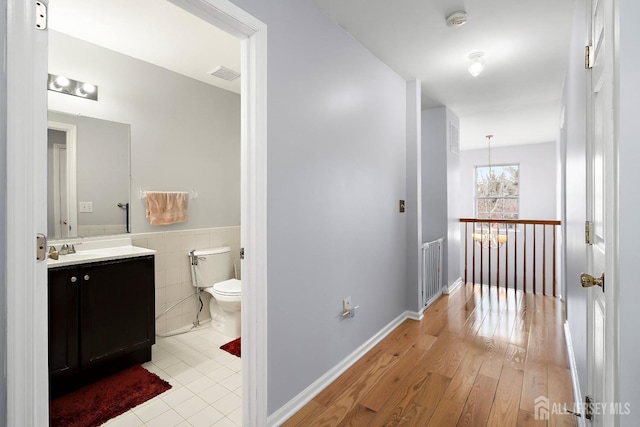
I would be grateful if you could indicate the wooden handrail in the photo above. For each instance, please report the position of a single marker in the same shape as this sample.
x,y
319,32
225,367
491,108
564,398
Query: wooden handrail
x,y
514,221
511,255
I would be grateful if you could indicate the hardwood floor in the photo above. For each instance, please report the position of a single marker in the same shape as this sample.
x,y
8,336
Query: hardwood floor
x,y
479,357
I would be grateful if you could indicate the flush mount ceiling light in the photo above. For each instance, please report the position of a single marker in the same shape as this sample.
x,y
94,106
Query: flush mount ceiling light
x,y
476,63
69,86
457,19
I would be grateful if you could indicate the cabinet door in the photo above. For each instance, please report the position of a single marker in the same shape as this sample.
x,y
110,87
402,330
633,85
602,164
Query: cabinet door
x,y
63,320
117,307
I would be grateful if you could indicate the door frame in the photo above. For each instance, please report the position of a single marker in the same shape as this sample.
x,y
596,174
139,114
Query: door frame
x,y
71,135
27,346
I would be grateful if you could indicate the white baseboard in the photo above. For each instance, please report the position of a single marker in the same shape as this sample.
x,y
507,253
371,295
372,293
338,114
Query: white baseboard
x,y
415,315
295,404
577,395
453,287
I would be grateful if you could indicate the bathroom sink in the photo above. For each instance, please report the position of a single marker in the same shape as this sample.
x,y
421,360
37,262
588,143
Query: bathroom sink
x,y
100,250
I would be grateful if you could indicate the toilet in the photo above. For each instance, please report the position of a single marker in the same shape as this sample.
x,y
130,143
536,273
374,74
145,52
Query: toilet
x,y
213,272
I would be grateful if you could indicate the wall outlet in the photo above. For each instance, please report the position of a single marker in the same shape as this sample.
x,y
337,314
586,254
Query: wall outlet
x,y
86,207
346,304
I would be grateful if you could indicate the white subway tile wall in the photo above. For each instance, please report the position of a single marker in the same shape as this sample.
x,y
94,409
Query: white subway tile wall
x,y
100,230
173,271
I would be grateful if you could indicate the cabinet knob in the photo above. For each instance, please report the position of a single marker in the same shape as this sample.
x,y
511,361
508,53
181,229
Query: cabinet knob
x,y
86,277
74,279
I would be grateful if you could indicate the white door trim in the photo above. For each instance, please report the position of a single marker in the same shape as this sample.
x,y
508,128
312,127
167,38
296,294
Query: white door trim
x,y
27,344
253,34
27,347
57,208
71,132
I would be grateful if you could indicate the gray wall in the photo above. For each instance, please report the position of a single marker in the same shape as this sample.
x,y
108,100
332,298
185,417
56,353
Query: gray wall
x,y
3,217
413,199
102,162
434,174
440,189
537,177
185,134
574,100
336,170
454,242
629,205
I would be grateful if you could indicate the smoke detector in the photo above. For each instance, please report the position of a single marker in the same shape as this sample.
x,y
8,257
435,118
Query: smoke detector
x,y
457,19
224,73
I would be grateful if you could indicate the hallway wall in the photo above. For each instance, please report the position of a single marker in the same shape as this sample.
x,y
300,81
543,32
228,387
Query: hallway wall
x,y
440,188
336,170
537,184
3,217
629,205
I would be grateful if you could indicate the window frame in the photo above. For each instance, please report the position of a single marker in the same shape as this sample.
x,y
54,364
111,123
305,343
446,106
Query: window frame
x,y
476,197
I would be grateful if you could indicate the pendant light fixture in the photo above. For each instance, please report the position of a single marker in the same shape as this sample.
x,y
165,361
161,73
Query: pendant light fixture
x,y
489,237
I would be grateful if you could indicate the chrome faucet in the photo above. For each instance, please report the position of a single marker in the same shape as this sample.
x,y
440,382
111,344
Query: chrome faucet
x,y
53,253
64,249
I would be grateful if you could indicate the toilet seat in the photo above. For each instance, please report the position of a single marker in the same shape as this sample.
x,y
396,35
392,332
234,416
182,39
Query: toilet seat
x,y
228,288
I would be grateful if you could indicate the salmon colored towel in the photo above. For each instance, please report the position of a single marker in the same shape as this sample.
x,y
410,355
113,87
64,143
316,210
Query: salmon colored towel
x,y
167,207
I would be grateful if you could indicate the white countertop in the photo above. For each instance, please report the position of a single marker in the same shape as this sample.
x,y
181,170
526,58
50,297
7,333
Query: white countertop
x,y
99,250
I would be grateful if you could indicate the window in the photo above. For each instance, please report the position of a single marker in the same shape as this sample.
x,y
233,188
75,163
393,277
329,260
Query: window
x,y
497,194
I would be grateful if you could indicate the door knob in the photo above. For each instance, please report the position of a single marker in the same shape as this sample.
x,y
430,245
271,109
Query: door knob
x,y
587,280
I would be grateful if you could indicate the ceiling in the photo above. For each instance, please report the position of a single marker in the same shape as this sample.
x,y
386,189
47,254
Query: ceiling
x,y
526,44
516,98
154,31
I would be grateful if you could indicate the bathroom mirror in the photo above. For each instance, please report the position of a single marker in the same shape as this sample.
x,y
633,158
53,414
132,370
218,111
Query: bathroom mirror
x,y
88,176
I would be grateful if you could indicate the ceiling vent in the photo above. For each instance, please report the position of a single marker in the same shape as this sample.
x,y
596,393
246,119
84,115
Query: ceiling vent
x,y
457,19
224,73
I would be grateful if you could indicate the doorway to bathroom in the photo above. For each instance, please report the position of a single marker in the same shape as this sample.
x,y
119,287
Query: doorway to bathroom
x,y
27,361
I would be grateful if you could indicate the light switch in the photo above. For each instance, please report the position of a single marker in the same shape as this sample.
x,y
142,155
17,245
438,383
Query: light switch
x,y
86,207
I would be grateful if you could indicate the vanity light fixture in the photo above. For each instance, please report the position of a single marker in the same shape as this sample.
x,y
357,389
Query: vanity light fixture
x,y
476,63
69,86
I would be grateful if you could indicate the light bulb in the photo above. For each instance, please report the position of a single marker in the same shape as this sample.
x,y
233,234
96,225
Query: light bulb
x,y
62,81
476,63
88,88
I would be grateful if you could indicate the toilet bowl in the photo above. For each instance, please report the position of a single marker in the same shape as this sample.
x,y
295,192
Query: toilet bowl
x,y
212,271
224,306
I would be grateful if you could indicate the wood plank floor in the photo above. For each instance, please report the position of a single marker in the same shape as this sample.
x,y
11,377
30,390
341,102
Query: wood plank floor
x,y
479,357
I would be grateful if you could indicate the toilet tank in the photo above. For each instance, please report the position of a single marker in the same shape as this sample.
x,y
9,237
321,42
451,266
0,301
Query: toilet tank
x,y
214,265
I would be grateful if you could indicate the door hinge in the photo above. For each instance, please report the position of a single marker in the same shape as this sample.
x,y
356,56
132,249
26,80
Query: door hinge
x,y
41,15
588,408
588,232
588,57
41,247
241,253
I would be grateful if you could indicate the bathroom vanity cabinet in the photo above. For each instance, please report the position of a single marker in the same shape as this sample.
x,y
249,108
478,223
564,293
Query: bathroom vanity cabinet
x,y
101,320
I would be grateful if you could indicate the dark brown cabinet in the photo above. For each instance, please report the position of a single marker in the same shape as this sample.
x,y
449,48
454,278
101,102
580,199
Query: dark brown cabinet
x,y
101,320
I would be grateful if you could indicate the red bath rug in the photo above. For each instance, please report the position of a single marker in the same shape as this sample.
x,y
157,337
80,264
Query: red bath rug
x,y
232,347
97,403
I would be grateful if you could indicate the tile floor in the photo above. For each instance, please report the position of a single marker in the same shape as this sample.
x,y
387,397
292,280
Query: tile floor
x,y
206,384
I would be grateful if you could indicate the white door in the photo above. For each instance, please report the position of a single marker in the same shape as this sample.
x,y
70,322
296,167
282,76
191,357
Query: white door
x,y
27,367
602,214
